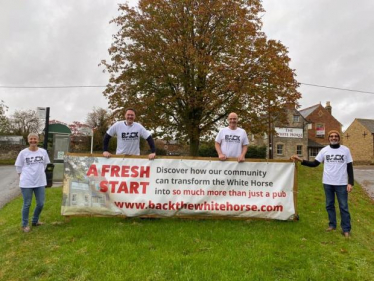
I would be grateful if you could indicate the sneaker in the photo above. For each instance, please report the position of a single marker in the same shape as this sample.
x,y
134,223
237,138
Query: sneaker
x,y
330,228
346,234
37,223
26,229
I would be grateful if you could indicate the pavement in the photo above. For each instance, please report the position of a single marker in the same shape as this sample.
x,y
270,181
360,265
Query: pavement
x,y
8,184
9,188
364,175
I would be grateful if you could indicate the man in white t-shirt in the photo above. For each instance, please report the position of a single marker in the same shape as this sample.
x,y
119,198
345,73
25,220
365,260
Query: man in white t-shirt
x,y
232,141
337,179
128,135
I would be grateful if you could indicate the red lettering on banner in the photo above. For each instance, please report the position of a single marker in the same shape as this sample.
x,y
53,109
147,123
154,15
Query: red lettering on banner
x,y
144,187
114,171
103,186
92,171
131,187
123,188
134,171
113,183
145,171
125,171
134,187
104,170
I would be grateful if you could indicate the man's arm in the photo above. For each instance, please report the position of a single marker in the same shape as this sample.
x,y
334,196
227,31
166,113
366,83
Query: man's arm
x,y
314,163
221,156
241,158
152,146
106,144
351,179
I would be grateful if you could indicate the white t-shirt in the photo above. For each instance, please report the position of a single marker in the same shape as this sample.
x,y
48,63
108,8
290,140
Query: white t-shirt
x,y
335,164
232,141
128,137
31,165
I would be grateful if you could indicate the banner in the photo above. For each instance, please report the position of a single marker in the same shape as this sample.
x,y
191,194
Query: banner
x,y
177,187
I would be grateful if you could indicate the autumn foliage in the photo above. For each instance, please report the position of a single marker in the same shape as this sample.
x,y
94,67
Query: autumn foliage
x,y
185,64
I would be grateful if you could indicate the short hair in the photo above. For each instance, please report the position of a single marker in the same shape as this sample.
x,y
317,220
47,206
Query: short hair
x,y
33,135
130,108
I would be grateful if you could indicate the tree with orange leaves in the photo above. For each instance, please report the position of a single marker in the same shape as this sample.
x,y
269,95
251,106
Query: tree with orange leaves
x,y
184,65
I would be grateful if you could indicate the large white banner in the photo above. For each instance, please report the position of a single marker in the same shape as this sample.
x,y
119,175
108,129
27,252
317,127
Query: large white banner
x,y
177,187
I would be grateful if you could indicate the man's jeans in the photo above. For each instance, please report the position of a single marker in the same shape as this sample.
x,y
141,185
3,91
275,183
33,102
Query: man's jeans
x,y
342,195
27,198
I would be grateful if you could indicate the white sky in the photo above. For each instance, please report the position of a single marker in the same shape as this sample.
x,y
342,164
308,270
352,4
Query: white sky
x,y
57,43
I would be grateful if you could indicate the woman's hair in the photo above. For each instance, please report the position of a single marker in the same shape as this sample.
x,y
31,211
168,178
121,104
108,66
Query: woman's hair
x,y
33,135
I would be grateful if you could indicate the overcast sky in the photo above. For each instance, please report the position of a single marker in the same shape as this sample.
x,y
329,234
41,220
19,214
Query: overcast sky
x,y
61,43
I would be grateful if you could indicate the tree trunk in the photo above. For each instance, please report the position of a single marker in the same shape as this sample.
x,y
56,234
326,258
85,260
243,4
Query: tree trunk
x,y
194,141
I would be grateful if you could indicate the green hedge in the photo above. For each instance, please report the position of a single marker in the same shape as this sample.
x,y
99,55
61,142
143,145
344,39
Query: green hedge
x,y
254,152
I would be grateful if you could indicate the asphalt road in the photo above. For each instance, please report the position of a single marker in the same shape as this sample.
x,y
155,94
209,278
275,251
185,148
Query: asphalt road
x,y
364,175
9,188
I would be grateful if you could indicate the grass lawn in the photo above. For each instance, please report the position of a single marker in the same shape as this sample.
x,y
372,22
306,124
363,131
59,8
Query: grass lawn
x,y
7,161
88,248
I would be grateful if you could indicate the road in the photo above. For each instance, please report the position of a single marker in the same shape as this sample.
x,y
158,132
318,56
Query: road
x,y
8,184
364,175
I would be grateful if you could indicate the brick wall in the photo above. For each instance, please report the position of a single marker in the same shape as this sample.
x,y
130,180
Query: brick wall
x,y
321,115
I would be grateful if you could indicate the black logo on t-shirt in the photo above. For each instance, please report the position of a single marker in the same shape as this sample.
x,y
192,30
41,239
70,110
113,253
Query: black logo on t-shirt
x,y
232,138
130,136
335,158
34,160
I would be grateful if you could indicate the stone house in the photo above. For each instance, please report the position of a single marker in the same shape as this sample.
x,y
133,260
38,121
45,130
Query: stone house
x,y
359,138
321,121
291,137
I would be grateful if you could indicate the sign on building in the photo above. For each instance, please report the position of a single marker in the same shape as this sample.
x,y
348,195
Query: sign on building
x,y
289,132
320,129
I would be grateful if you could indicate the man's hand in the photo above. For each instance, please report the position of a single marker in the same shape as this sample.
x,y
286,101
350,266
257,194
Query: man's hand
x,y
222,157
349,187
152,156
106,154
241,158
296,158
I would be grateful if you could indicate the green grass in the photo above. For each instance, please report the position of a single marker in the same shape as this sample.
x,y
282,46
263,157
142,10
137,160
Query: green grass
x,y
7,161
88,248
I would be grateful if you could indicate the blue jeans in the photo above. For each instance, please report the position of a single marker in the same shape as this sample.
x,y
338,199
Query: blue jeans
x,y
342,195
27,198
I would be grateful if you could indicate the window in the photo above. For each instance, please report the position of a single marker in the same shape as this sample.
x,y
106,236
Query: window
x,y
299,149
313,151
279,149
310,126
296,118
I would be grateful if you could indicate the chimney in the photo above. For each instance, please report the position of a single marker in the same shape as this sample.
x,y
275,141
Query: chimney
x,y
328,107
290,105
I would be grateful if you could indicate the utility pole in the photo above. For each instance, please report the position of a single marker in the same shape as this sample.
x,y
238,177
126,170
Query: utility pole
x,y
270,132
46,129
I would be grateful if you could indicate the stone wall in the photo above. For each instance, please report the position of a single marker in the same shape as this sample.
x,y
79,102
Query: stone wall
x,y
361,146
290,144
10,151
